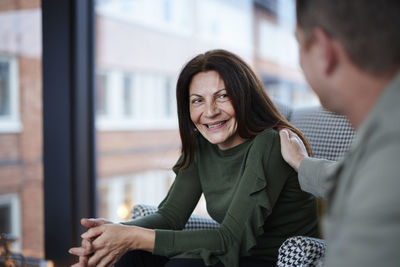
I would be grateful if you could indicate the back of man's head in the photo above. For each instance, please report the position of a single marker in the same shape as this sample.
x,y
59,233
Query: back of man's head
x,y
369,30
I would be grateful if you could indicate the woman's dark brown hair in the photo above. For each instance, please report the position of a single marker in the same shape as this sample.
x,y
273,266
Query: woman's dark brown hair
x,y
254,110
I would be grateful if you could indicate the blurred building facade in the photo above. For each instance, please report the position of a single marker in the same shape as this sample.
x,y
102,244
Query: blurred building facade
x,y
21,172
141,45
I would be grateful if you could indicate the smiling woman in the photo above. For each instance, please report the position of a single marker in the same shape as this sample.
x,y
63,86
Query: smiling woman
x,y
231,154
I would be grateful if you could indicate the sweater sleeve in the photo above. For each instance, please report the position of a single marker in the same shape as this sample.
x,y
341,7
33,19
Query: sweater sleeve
x,y
243,222
176,208
316,176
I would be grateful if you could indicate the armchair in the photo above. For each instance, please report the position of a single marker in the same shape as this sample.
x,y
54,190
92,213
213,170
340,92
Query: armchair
x,y
330,136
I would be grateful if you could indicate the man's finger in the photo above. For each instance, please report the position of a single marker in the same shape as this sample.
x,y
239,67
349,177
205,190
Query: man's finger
x,y
284,134
291,133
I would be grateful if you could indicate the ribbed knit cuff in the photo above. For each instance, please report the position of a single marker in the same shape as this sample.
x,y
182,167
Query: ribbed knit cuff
x,y
164,242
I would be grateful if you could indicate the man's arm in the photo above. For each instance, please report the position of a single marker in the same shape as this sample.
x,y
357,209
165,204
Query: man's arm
x,y
315,175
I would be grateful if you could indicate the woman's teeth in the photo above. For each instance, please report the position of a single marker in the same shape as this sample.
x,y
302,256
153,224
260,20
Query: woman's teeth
x,y
215,125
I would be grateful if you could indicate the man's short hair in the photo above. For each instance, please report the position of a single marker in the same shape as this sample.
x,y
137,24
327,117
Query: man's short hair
x,y
369,30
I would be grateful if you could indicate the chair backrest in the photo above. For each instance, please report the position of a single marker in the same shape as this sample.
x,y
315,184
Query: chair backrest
x,y
329,134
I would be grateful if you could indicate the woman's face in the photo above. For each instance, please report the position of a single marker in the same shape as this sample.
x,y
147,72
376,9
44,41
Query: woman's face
x,y
211,110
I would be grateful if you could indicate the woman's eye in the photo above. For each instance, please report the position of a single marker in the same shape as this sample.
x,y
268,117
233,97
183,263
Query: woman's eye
x,y
223,96
195,101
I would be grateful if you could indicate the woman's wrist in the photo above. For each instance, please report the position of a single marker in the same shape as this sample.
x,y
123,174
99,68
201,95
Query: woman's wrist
x,y
148,237
141,238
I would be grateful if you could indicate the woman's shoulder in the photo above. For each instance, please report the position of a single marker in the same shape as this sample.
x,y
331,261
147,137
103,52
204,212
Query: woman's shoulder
x,y
268,136
267,145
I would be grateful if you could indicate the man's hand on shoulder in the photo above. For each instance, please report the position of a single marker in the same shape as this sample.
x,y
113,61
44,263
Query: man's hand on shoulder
x,y
292,148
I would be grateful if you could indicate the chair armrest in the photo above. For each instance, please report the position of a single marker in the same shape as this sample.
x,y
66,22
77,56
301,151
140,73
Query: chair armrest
x,y
301,251
195,222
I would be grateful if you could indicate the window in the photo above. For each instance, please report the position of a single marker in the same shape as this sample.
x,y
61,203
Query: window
x,y
169,98
120,193
9,115
10,217
101,94
135,101
128,96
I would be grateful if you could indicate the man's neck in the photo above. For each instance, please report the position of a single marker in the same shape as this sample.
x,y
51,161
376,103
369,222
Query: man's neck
x,y
367,90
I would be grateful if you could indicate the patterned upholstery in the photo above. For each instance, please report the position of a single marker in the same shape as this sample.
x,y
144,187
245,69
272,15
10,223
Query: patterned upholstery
x,y
285,110
330,135
195,221
301,251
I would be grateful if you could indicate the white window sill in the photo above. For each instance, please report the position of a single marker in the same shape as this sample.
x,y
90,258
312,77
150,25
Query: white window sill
x,y
10,126
135,125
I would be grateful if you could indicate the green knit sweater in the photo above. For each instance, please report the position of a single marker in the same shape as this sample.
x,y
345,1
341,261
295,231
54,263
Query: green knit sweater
x,y
249,189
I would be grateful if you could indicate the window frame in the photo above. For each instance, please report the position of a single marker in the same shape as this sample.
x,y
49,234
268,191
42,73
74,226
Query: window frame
x,y
14,202
12,123
68,124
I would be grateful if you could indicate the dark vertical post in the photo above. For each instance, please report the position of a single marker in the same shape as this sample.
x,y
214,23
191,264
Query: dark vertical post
x,y
68,123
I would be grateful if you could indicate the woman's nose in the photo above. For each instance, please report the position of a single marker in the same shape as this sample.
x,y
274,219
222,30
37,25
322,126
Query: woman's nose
x,y
211,109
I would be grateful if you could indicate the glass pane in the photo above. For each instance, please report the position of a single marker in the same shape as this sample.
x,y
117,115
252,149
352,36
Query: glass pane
x,y
4,88
141,47
21,172
5,214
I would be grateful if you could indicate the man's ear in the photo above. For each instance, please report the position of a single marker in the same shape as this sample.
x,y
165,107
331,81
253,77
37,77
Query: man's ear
x,y
327,50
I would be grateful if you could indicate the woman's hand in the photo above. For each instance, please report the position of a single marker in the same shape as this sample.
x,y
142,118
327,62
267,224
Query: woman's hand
x,y
83,252
112,241
86,248
292,148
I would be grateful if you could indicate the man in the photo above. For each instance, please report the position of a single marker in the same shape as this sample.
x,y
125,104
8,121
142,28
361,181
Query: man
x,y
350,55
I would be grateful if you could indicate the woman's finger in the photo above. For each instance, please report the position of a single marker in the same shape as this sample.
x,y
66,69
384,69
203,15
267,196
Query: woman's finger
x,y
87,244
97,257
106,261
93,232
79,251
93,222
83,261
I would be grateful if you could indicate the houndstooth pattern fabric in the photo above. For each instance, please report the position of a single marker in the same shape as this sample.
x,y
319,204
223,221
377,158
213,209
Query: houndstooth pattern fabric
x,y
330,135
195,221
300,251
285,110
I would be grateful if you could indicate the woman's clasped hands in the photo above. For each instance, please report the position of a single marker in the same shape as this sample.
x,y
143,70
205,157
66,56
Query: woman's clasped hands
x,y
104,243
